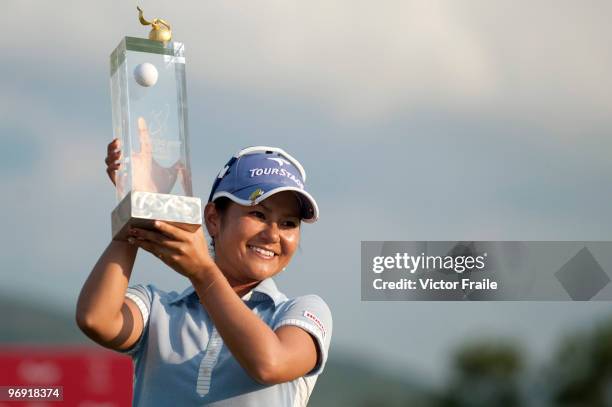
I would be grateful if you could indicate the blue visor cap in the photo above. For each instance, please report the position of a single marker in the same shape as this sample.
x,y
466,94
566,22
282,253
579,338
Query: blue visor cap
x,y
257,173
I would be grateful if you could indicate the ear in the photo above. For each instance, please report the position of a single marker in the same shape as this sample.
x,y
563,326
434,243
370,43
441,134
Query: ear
x,y
212,219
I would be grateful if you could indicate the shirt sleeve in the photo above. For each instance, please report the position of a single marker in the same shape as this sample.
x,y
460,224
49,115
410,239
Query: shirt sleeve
x,y
143,298
312,314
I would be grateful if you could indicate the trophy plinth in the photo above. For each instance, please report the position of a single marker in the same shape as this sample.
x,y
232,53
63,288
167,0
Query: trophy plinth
x,y
149,108
140,209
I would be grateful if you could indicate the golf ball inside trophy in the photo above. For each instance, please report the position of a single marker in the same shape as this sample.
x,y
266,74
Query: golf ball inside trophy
x,y
146,74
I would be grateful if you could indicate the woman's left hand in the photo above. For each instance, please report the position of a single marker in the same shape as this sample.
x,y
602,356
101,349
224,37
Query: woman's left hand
x,y
185,252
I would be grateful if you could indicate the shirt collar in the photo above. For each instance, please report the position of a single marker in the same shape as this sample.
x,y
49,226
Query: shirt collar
x,y
266,287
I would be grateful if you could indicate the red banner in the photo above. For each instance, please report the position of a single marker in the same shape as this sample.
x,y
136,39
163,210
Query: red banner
x,y
88,376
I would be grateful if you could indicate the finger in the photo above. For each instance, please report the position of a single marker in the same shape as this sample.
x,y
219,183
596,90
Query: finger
x,y
173,232
113,145
115,153
143,134
113,157
149,235
113,168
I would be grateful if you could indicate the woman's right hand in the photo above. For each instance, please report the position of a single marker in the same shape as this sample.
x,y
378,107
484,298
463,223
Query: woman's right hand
x,y
147,174
113,155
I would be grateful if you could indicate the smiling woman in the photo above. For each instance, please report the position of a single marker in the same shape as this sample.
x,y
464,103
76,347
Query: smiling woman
x,y
231,337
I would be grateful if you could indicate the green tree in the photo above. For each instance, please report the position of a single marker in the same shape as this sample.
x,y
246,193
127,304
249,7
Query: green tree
x,y
581,372
485,373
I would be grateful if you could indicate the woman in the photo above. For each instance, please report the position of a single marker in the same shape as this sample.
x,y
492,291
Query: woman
x,y
231,338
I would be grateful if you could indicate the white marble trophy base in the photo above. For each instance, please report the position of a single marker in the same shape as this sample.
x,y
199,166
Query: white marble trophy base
x,y
141,209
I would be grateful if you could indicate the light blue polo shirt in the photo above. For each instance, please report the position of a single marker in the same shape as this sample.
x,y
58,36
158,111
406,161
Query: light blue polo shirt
x,y
181,360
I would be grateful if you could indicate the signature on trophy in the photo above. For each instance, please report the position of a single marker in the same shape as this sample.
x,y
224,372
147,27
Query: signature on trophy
x,y
163,148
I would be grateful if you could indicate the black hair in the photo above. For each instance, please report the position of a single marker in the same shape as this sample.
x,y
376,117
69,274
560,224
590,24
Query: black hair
x,y
221,205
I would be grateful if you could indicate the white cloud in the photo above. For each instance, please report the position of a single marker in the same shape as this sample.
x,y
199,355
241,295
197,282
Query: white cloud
x,y
360,59
546,62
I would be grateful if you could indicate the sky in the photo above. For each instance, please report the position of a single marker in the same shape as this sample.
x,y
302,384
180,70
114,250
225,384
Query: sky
x,y
415,120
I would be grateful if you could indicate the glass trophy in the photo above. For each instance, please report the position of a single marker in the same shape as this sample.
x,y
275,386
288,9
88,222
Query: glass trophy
x,y
149,109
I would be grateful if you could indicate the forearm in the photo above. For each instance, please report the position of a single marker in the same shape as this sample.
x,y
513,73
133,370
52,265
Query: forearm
x,y
253,343
102,295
